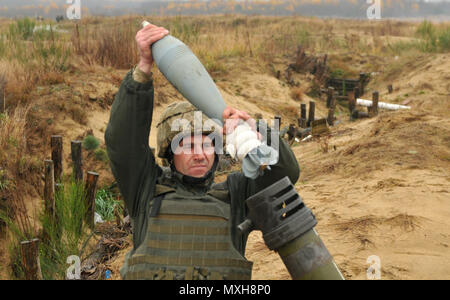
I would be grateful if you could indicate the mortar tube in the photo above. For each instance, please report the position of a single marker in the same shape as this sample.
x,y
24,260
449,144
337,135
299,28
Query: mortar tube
x,y
307,258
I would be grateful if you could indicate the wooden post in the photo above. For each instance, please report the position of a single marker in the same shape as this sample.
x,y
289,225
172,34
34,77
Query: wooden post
x,y
90,189
356,91
390,89
330,119
374,109
362,79
57,154
303,111
49,188
291,132
29,251
302,115
351,101
312,108
330,95
76,159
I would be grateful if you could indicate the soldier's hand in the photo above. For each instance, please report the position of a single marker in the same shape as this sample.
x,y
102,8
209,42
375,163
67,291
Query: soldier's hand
x,y
144,39
231,118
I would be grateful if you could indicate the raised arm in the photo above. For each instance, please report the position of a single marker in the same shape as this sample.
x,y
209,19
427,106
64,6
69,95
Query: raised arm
x,y
126,136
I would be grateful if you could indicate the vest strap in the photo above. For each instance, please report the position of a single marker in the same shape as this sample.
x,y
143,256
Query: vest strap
x,y
156,206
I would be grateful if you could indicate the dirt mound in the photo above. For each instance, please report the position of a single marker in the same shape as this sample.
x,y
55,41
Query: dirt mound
x,y
409,139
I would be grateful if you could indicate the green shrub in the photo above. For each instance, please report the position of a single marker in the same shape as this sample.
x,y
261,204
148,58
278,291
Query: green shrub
x,y
337,73
67,232
61,236
4,181
101,155
90,142
106,203
444,39
22,29
3,46
426,30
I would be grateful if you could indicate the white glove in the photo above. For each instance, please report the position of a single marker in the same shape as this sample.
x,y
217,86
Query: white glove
x,y
241,141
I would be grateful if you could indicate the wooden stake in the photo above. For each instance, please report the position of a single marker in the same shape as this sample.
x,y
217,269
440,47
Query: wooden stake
x,y
374,109
330,95
312,108
90,189
332,108
356,90
29,251
49,188
57,155
302,120
390,89
362,79
303,111
77,172
351,101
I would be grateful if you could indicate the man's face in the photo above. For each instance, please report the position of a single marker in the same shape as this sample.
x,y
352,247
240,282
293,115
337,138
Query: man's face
x,y
194,155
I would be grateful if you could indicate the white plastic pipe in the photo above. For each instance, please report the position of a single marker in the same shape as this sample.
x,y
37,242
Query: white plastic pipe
x,y
368,103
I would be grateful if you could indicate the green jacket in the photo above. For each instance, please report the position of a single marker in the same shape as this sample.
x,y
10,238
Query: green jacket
x,y
137,174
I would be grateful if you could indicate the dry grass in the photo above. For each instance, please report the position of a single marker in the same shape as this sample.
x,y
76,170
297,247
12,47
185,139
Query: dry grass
x,y
16,166
297,93
214,39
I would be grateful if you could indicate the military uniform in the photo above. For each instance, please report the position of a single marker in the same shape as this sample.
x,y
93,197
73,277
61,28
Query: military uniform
x,y
183,227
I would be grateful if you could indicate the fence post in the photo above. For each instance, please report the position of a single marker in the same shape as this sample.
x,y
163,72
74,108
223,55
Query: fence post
x,y
330,95
49,187
90,189
356,90
362,79
351,101
77,172
57,154
302,115
374,109
29,251
312,108
332,107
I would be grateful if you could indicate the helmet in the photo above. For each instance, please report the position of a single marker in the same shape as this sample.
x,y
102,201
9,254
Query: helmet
x,y
175,119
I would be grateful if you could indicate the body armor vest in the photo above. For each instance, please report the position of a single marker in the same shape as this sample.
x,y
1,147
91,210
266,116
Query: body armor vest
x,y
189,239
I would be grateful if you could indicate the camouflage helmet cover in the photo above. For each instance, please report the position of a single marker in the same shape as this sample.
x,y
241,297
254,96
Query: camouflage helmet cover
x,y
173,121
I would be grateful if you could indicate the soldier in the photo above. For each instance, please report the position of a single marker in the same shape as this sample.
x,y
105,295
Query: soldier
x,y
184,224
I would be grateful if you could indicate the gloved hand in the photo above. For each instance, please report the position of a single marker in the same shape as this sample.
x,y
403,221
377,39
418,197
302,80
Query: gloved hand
x,y
241,141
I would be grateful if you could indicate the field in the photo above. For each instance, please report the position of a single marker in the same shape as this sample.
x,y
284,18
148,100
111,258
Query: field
x,y
378,186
